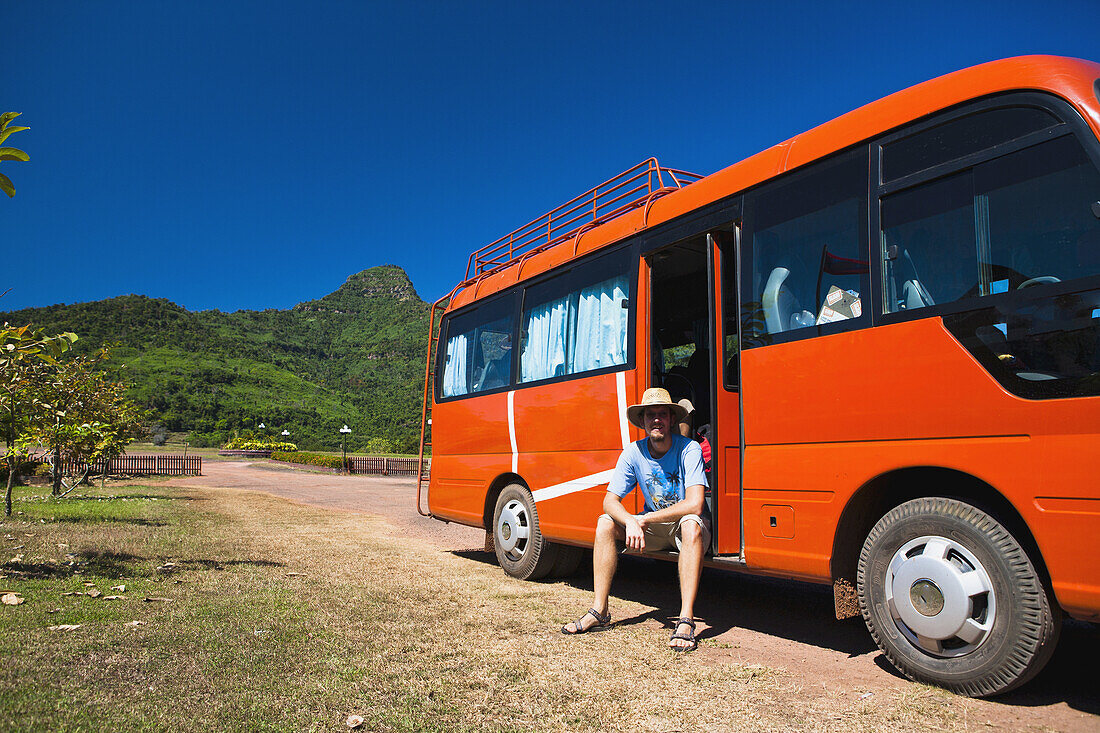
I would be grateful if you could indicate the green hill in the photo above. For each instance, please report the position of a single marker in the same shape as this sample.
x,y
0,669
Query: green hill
x,y
355,356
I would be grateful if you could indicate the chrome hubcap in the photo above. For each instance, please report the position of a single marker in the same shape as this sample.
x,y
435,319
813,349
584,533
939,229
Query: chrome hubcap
x,y
513,530
940,597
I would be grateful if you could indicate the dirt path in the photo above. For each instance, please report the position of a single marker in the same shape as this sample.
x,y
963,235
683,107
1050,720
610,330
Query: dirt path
x,y
753,621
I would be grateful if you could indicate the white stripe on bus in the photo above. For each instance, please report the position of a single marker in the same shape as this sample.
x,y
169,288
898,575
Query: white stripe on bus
x,y
512,430
572,486
620,389
585,482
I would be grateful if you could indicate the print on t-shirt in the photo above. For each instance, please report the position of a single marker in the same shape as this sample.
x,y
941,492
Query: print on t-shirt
x,y
663,489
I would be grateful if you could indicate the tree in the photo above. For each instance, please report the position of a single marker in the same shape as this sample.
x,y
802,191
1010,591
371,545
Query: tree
x,y
27,357
90,418
10,153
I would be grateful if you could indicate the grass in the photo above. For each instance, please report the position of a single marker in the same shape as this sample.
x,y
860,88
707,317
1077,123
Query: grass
x,y
284,617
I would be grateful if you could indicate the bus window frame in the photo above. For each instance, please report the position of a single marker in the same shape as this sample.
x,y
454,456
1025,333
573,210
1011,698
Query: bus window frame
x,y
1071,124
441,349
746,257
727,211
572,275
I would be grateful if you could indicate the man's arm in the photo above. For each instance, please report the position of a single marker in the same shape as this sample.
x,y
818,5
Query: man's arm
x,y
613,507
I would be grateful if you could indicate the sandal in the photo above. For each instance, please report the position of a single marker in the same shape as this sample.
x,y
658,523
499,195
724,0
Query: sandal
x,y
689,636
603,622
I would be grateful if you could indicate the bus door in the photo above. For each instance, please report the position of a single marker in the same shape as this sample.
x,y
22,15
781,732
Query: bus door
x,y
685,286
725,437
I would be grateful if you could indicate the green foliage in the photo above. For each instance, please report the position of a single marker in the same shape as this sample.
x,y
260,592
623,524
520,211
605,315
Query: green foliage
x,y
205,440
7,153
252,444
28,358
387,445
25,467
310,459
88,414
355,356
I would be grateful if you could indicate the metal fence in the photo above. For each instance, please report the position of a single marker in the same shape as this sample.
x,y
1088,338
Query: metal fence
x,y
385,466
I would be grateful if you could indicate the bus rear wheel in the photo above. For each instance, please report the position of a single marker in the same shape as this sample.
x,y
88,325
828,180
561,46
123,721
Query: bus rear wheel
x,y
568,560
952,599
520,547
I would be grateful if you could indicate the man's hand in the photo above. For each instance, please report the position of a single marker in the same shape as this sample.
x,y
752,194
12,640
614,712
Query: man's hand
x,y
635,533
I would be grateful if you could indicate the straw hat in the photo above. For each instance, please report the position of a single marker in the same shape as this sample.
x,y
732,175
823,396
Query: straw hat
x,y
654,397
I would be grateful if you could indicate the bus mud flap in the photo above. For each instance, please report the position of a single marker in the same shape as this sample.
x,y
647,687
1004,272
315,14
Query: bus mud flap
x,y
845,599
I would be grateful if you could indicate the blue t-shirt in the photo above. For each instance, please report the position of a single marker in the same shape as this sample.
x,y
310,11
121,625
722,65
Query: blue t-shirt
x,y
663,481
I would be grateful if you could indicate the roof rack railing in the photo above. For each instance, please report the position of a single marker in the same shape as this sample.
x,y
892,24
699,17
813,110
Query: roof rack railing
x,y
629,190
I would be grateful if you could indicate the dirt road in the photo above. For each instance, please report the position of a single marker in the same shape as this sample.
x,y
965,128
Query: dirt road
x,y
755,621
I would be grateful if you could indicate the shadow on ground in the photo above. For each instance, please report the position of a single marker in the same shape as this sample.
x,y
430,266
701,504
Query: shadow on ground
x,y
140,521
117,565
130,497
803,612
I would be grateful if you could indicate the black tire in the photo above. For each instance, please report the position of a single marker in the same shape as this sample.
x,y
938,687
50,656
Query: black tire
x,y
952,599
520,547
568,560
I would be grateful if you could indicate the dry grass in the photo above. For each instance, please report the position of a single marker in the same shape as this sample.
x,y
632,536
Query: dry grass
x,y
292,618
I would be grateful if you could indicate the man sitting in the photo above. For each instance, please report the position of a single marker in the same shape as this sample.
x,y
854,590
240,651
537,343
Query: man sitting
x,y
668,468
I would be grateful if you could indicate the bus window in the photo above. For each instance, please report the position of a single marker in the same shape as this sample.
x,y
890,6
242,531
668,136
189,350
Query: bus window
x,y
1038,348
1013,222
808,251
477,356
961,137
575,323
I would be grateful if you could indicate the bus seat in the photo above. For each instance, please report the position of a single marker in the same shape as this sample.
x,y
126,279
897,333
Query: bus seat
x,y
914,295
777,301
801,319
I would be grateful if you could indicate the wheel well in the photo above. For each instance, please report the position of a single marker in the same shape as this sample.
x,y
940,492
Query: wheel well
x,y
884,492
494,491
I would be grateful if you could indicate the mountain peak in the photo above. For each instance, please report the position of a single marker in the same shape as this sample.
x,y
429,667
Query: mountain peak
x,y
384,281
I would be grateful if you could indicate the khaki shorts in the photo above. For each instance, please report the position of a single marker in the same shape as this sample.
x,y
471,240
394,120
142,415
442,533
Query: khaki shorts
x,y
666,535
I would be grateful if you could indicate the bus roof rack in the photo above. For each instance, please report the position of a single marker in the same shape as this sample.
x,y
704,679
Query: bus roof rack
x,y
631,189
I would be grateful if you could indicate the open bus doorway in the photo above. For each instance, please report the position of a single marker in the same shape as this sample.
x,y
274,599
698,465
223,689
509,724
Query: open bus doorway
x,y
681,339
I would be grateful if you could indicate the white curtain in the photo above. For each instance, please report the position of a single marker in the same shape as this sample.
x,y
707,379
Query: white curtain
x,y
601,326
454,369
583,331
544,345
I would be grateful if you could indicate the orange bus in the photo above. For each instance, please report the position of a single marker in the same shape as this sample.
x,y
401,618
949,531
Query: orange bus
x,y
891,325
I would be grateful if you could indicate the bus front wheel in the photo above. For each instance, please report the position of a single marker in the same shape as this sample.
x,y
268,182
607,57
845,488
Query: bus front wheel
x,y
520,547
952,599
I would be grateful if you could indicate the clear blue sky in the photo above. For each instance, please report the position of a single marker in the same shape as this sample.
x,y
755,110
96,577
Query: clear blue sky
x,y
253,154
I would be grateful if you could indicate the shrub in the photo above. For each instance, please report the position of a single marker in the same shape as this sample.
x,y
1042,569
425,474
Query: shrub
x,y
310,459
158,434
258,444
380,445
28,468
199,439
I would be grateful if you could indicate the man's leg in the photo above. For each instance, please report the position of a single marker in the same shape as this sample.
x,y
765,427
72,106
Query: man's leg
x,y
605,559
691,567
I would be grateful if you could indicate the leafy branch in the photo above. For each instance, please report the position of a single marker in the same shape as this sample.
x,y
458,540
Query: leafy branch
x,y
8,153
